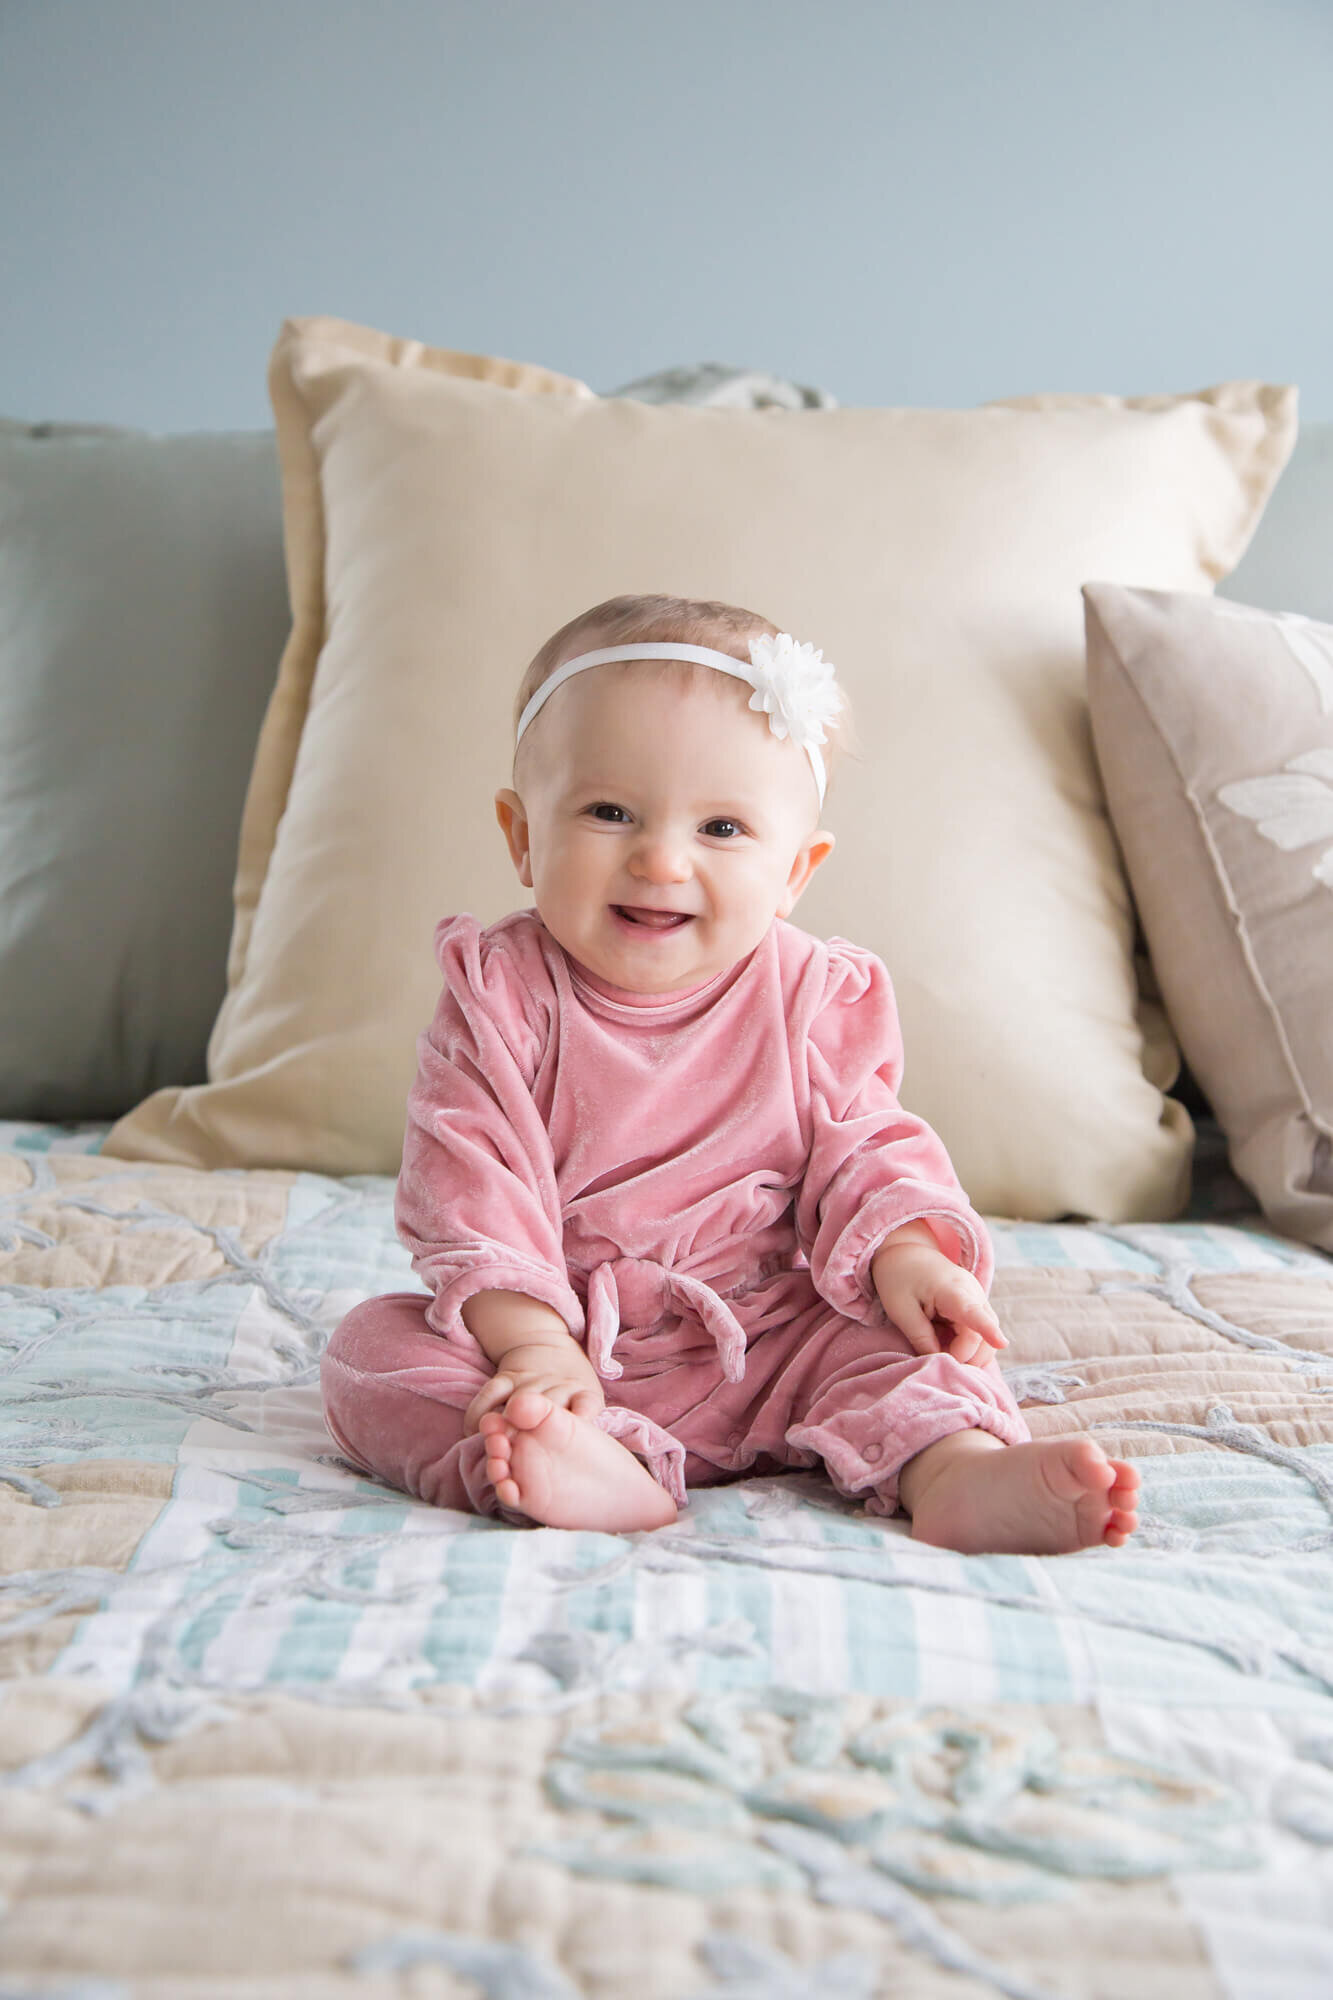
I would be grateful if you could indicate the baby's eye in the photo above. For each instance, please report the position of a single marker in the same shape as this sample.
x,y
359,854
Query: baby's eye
x,y
605,810
723,829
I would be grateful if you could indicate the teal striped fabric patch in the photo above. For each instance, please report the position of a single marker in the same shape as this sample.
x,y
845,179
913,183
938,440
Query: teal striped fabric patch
x,y
271,1564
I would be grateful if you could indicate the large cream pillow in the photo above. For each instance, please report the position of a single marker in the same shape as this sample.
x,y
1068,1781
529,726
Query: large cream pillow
x,y
935,556
305,537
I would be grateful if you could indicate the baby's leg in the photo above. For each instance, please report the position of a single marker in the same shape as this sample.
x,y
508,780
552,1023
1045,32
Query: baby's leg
x,y
947,1441
395,1393
970,1492
395,1396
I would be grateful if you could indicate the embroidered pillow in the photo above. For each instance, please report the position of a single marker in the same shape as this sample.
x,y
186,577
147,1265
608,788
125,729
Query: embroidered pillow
x,y
1213,725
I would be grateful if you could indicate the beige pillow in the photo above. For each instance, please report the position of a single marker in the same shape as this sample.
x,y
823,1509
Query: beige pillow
x,y
1214,729
305,535
935,556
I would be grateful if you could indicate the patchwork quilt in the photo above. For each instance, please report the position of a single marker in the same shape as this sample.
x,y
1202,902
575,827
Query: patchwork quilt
x,y
271,1731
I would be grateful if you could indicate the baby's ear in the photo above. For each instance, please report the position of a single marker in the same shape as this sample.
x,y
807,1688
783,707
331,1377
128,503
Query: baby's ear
x,y
513,818
809,854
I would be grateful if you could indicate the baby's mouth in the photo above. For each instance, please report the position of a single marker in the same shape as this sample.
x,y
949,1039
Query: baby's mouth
x,y
652,920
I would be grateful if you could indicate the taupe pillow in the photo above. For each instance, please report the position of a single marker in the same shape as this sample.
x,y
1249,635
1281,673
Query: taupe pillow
x,y
1214,731
438,530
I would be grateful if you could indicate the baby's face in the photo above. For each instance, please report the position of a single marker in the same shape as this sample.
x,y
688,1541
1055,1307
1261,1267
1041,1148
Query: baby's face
x,y
661,826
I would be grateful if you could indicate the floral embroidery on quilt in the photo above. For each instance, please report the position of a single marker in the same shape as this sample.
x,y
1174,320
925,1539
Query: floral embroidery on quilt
x,y
746,1971
942,1802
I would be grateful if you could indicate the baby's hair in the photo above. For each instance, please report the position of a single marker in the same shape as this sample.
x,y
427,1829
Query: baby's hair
x,y
685,621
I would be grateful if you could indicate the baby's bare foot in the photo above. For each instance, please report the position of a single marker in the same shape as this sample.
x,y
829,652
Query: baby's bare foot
x,y
971,1493
561,1470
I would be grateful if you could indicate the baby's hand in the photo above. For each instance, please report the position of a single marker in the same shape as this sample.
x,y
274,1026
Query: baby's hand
x,y
934,1302
558,1370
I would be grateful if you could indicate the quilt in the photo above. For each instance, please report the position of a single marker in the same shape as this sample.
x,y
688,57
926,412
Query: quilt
x,y
271,1731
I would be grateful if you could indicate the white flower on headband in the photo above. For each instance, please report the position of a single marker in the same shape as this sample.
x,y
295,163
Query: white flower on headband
x,y
795,686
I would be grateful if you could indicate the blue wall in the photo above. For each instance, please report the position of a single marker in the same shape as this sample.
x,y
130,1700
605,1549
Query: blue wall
x,y
931,202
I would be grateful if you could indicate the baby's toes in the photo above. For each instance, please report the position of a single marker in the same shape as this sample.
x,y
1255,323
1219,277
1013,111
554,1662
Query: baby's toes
x,y
499,1449
527,1408
1123,1500
500,1472
1083,1471
1125,1491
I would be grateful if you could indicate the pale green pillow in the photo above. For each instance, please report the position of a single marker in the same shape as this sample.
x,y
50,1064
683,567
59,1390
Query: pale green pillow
x,y
143,609
1289,564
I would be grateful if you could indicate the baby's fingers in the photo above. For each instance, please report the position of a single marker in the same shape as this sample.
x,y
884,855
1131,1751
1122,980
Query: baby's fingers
x,y
916,1326
971,1309
587,1403
966,1346
497,1391
987,1331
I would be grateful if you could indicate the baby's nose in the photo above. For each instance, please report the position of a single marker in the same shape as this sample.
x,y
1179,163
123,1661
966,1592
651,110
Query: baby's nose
x,y
659,859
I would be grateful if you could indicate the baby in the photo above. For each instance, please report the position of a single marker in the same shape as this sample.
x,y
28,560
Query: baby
x,y
675,1224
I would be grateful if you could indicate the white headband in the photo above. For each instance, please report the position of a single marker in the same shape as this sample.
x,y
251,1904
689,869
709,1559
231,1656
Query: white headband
x,y
794,685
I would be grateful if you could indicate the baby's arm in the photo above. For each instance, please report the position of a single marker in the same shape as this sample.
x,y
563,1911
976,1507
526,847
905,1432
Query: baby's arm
x,y
478,1200
880,1213
923,1292
532,1348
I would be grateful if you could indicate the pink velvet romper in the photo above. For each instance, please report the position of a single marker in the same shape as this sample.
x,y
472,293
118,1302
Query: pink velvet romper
x,y
697,1184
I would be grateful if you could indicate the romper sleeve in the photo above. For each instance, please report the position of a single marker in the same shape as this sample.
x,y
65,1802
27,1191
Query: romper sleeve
x,y
872,1166
477,1202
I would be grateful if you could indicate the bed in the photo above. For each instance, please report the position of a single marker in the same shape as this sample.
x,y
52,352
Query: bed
x,y
272,1730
